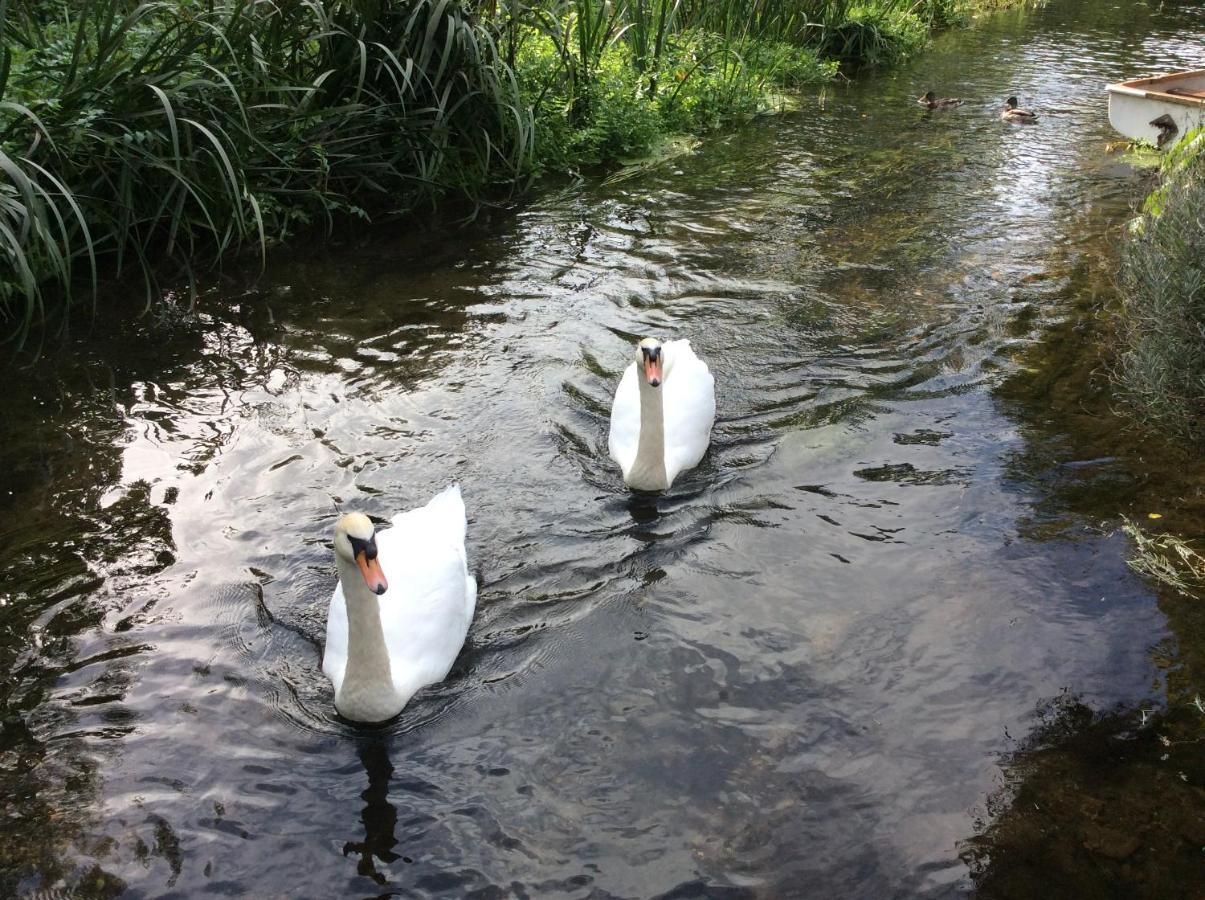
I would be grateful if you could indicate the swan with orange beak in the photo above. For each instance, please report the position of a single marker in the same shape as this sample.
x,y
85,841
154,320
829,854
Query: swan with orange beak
x,y
662,415
402,608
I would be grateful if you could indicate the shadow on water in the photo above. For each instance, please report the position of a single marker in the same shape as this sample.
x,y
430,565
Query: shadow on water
x,y
1102,802
79,554
1097,805
799,667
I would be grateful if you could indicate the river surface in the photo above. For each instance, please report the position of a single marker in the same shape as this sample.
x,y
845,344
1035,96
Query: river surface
x,y
794,674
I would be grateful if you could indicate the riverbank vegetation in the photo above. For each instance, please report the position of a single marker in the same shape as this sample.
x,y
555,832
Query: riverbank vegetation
x,y
134,134
1161,316
150,137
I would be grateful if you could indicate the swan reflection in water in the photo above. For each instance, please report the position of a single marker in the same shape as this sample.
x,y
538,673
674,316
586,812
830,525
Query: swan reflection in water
x,y
379,815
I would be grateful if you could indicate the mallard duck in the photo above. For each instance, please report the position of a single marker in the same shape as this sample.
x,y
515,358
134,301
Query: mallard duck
x,y
931,101
662,415
381,649
1013,113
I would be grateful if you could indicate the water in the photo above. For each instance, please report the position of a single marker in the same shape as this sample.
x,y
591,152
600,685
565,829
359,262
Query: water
x,y
795,673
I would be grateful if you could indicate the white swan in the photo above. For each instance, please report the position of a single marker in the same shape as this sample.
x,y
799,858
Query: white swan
x,y
402,607
662,415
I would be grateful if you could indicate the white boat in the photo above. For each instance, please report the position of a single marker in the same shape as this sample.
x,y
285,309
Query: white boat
x,y
1158,110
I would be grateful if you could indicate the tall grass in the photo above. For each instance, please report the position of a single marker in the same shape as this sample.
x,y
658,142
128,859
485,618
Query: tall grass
x,y
1161,319
872,34
137,133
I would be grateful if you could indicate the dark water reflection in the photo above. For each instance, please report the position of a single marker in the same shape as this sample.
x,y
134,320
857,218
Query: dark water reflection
x,y
795,673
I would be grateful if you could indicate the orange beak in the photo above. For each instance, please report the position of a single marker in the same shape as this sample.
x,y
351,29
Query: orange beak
x,y
374,576
652,370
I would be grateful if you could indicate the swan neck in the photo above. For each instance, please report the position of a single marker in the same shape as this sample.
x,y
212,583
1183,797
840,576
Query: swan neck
x,y
650,450
367,652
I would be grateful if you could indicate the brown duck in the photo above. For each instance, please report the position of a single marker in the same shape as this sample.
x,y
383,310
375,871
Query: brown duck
x,y
1013,113
932,101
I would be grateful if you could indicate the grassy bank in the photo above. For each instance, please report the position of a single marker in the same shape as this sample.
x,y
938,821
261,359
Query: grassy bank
x,y
151,137
139,135
1160,320
606,82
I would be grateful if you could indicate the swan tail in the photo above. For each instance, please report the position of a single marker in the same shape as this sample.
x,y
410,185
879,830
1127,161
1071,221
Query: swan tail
x,y
444,513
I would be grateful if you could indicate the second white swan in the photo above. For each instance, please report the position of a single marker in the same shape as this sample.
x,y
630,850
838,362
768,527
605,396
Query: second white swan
x,y
662,415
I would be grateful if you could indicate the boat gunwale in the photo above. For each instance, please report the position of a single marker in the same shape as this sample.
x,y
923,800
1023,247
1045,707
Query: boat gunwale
x,y
1141,87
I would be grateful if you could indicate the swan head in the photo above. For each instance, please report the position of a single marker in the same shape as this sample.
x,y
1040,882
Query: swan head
x,y
356,543
650,358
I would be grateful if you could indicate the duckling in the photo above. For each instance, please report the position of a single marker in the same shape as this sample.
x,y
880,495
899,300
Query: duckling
x,y
931,101
1013,113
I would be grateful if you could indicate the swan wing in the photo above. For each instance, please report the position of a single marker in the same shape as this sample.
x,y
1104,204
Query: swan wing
x,y
624,439
426,613
334,657
443,512
689,409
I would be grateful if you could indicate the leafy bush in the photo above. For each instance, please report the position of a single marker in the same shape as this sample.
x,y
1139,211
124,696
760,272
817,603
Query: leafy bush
x,y
622,120
788,65
938,14
698,82
709,81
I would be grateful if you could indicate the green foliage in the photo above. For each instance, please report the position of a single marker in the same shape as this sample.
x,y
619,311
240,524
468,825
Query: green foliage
x,y
873,33
175,131
144,135
939,14
692,81
609,78
1161,320
788,65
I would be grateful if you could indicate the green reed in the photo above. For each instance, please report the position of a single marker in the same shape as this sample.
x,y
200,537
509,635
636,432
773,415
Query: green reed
x,y
139,134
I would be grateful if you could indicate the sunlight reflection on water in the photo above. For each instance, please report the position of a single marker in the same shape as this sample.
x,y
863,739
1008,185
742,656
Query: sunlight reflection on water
x,y
797,667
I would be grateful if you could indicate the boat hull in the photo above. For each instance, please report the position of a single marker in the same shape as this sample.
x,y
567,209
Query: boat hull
x,y
1137,108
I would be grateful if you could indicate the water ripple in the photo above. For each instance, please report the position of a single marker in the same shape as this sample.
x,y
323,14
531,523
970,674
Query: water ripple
x,y
799,663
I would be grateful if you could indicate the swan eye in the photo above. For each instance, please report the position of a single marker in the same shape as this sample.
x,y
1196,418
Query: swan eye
x,y
367,547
